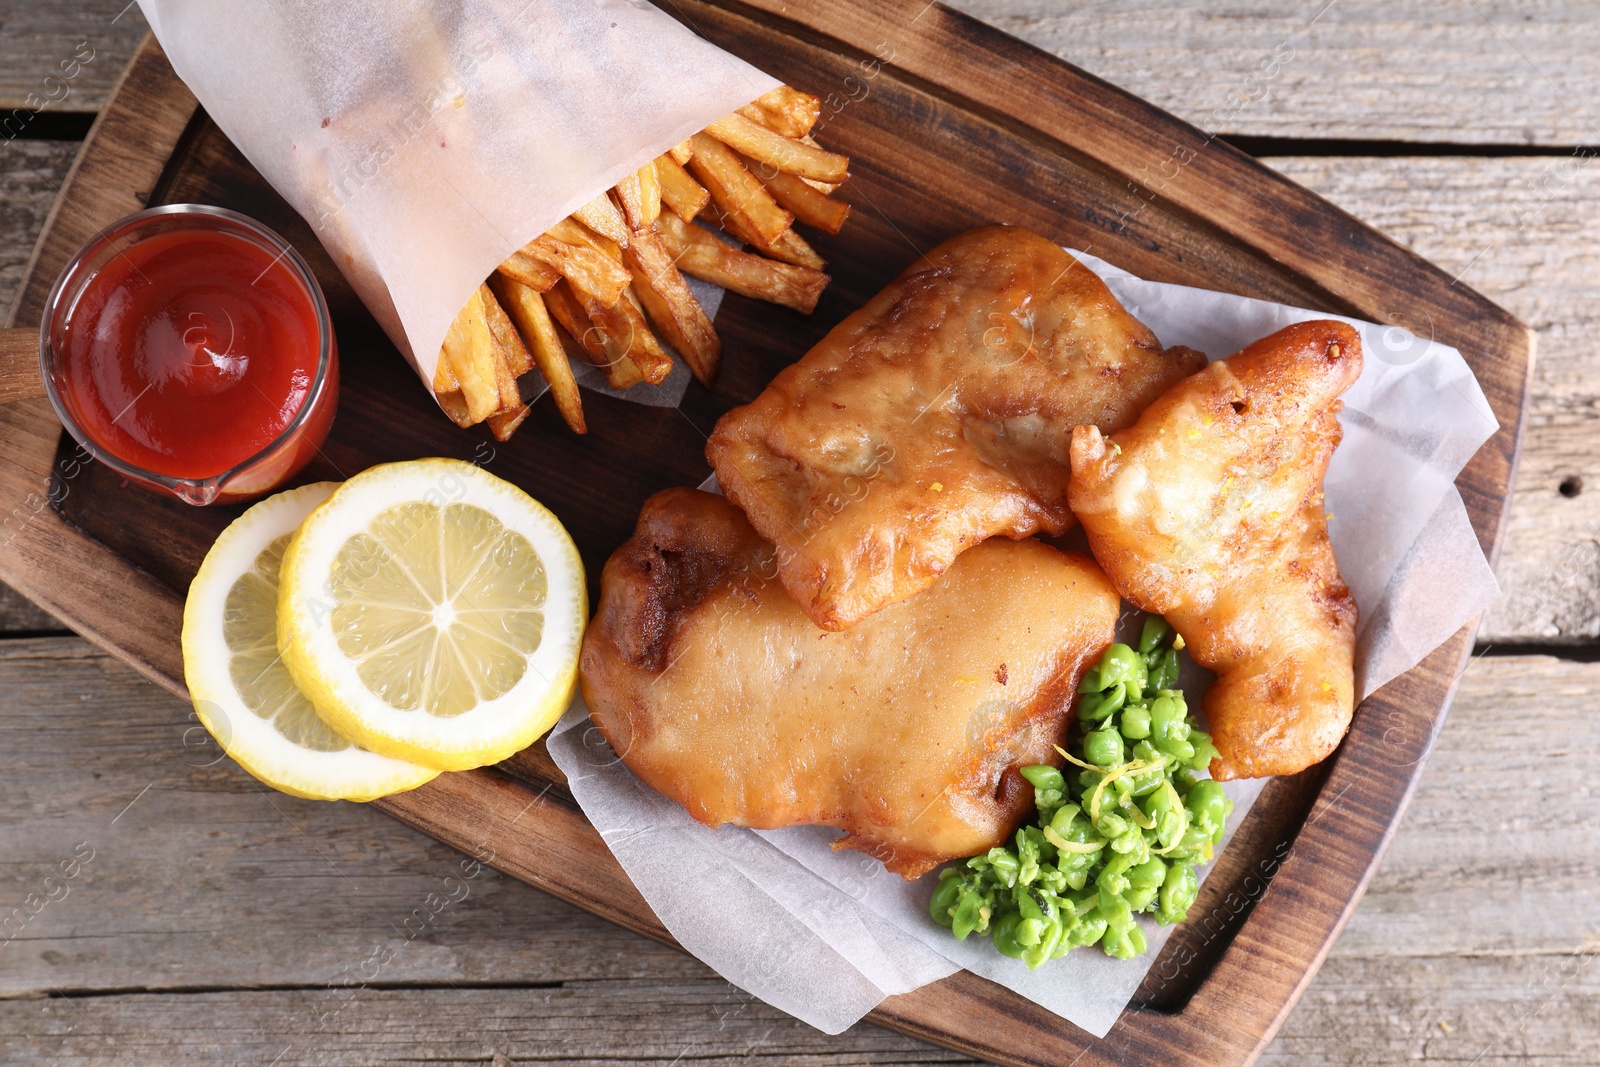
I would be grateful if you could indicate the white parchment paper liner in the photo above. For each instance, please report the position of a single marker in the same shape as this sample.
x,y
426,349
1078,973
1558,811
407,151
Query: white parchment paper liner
x,y
426,142
824,935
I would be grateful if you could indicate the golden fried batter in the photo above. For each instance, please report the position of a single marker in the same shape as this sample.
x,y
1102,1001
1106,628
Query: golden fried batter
x,y
938,415
907,730
1209,510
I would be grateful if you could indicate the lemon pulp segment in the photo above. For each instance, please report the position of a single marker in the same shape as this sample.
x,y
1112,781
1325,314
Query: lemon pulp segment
x,y
438,607
250,629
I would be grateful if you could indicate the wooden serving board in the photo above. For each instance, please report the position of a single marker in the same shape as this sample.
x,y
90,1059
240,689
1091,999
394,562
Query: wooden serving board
x,y
949,124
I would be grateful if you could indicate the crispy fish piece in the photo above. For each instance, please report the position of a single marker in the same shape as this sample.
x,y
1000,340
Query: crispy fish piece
x,y
908,731
936,416
1209,510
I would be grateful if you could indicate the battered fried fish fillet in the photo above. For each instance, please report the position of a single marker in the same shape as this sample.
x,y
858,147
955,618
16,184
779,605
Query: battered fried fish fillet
x,y
936,416
908,730
1209,510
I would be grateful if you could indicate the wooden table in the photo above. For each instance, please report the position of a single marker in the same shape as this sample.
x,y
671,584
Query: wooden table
x,y
216,922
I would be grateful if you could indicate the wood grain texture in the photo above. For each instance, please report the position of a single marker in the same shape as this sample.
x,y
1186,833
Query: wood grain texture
x,y
692,1022
1218,221
1411,70
37,38
207,882
202,877
19,615
1488,72
1525,233
951,83
31,173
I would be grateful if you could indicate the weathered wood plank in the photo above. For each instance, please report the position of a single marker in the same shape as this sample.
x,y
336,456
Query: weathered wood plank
x,y
18,614
1487,862
93,38
1492,1011
207,882
1366,68
1525,233
1488,72
202,877
695,1021
30,175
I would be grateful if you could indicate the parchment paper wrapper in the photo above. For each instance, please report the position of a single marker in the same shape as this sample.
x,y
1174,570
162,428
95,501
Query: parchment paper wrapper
x,y
426,142
825,935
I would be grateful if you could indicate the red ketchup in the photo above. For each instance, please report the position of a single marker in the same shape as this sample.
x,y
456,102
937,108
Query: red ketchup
x,y
190,352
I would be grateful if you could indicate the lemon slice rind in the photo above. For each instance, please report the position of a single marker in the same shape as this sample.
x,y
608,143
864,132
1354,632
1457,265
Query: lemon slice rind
x,y
349,773
493,729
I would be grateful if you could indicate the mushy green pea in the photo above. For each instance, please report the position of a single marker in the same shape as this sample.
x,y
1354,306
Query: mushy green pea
x,y
1116,836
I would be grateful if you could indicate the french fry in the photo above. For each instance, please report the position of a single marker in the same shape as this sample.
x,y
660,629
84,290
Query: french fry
x,y
736,191
454,406
623,334
792,248
504,423
699,253
624,337
775,150
805,203
470,348
602,216
575,234
575,352
444,379
526,309
508,355
785,111
826,188
591,337
581,263
513,352
649,193
534,273
643,348
565,309
789,247
611,274
630,199
639,194
489,353
671,306
684,196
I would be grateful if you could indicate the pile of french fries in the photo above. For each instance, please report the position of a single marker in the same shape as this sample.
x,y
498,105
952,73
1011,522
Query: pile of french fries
x,y
594,285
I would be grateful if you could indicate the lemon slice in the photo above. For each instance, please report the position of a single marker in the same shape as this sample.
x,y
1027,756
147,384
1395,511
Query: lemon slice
x,y
433,612
241,690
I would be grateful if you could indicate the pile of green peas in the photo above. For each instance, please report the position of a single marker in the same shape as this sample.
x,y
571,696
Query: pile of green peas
x,y
1120,837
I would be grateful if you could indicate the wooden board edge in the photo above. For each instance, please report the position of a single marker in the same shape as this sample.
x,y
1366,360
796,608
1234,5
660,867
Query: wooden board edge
x,y
1491,551
1460,650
